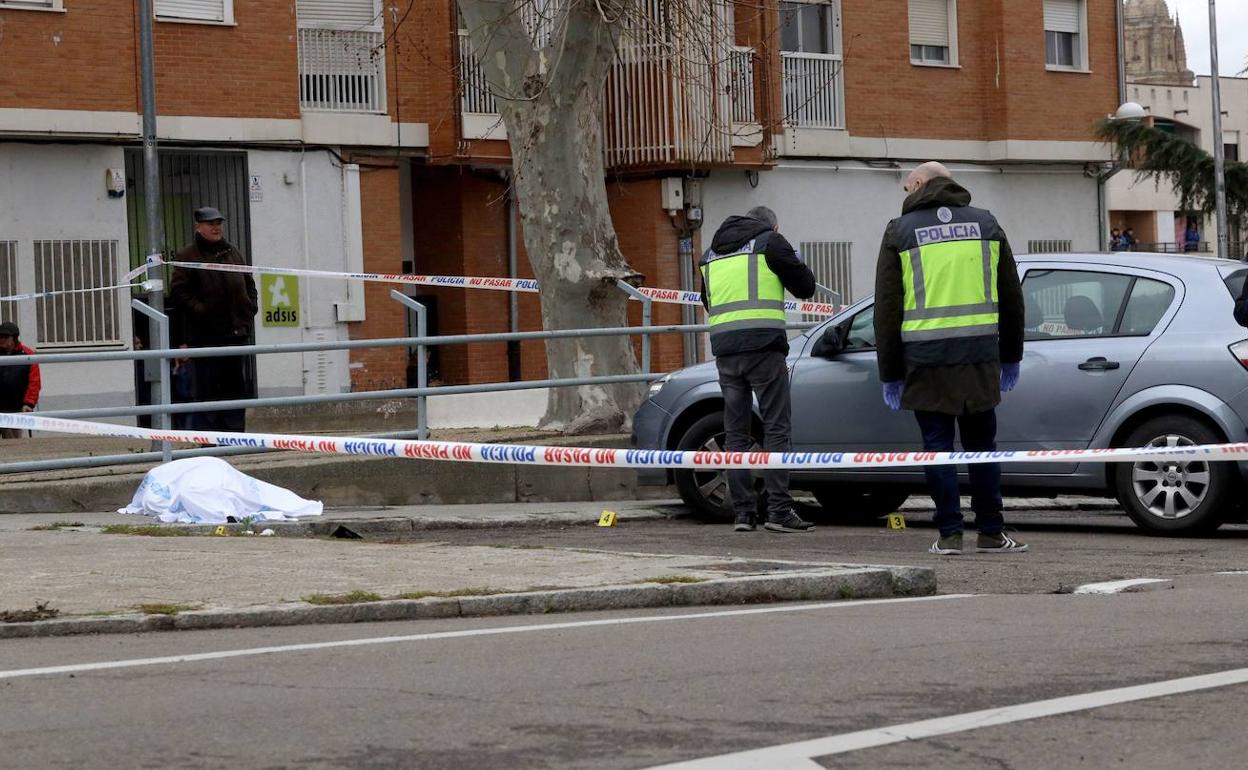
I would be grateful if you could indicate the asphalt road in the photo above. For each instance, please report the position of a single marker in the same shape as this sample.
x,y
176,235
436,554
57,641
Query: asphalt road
x,y
641,689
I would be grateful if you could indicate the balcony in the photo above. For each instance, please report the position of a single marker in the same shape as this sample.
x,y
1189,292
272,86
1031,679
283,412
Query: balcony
x,y
341,70
813,90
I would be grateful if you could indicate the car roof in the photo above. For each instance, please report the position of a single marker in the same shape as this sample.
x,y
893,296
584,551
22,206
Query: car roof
x,y
1164,262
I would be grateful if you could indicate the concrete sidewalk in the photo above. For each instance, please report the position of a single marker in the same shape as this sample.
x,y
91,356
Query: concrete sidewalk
x,y
127,582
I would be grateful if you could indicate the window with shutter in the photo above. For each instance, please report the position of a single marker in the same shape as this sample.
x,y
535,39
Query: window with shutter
x,y
34,5
1065,42
933,31
219,11
339,14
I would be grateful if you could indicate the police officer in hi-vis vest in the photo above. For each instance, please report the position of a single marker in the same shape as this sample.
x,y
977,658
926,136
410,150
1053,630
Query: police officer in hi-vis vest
x,y
949,339
744,276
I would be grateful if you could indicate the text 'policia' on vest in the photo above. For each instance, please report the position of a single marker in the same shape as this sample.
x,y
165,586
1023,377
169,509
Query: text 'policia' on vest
x,y
949,262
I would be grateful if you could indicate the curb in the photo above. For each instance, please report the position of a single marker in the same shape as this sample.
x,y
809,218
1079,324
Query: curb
x,y
804,585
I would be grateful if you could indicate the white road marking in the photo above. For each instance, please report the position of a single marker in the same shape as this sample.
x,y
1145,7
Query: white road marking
x,y
223,654
1116,586
1233,572
800,756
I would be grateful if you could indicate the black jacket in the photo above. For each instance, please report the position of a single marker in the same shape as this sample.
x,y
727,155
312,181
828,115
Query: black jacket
x,y
962,376
796,277
212,308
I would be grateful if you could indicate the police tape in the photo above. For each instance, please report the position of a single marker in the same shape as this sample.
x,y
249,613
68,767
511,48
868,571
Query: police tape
x,y
61,292
520,454
524,285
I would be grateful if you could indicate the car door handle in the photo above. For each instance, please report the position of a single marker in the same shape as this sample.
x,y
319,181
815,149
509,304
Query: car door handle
x,y
1098,364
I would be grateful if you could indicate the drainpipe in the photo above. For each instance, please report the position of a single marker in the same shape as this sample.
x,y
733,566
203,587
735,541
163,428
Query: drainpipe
x,y
513,346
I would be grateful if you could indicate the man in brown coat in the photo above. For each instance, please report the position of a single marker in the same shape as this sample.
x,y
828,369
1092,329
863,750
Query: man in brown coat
x,y
215,309
949,339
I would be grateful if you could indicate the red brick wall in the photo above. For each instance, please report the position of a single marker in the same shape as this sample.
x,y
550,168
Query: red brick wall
x,y
987,97
381,208
88,59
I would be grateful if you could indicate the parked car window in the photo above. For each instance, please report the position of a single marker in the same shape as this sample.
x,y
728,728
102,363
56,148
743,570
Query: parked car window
x,y
1235,283
862,331
1148,302
1072,303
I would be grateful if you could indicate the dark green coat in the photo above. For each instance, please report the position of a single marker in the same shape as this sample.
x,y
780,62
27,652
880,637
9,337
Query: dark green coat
x,y
951,389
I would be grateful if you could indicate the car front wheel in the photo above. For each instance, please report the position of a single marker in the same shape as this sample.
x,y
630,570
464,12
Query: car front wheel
x,y
1175,496
706,491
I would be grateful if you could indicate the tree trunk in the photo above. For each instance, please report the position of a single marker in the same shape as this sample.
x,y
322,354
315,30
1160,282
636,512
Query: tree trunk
x,y
550,97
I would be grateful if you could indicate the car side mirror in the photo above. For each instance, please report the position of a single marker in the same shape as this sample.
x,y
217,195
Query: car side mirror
x,y
832,342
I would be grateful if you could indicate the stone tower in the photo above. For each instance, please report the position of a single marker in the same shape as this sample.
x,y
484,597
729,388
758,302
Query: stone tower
x,y
1154,44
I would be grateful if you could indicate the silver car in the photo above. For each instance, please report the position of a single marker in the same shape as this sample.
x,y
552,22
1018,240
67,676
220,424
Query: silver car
x,y
1123,350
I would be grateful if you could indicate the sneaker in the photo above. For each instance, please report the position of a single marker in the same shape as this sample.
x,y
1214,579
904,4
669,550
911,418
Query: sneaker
x,y
789,522
744,524
947,545
998,543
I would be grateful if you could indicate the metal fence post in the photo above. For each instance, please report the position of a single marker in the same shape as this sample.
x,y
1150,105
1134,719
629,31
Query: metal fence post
x,y
834,295
163,396
422,367
646,315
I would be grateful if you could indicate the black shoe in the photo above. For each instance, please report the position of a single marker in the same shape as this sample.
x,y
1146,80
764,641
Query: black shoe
x,y
744,523
789,522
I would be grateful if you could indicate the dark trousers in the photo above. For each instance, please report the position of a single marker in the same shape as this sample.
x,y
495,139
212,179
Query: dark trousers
x,y
222,378
741,376
979,434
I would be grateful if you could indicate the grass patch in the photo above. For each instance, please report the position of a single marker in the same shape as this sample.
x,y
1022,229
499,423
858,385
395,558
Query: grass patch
x,y
473,591
57,525
165,609
40,612
674,579
354,597
146,530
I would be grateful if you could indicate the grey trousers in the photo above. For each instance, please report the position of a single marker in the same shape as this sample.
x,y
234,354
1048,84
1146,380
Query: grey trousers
x,y
765,375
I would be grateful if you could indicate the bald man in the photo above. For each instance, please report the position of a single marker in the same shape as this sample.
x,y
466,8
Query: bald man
x,y
949,340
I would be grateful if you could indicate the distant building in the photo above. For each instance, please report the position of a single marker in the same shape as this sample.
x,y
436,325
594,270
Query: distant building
x,y
1153,43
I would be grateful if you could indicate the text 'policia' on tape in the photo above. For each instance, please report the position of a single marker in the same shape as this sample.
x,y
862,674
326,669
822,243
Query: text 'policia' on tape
x,y
524,285
520,454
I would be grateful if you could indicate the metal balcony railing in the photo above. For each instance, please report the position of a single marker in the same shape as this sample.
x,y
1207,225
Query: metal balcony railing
x,y
475,97
813,90
341,70
741,84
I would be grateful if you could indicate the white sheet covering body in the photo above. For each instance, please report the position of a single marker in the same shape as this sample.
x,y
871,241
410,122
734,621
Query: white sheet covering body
x,y
207,490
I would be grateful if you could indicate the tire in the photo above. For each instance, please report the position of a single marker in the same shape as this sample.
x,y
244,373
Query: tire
x,y
850,505
706,492
1172,497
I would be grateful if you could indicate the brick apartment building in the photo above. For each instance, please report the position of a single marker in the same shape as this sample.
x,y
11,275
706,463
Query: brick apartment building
x,y
356,134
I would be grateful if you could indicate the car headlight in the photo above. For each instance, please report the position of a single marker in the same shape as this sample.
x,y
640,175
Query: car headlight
x,y
657,385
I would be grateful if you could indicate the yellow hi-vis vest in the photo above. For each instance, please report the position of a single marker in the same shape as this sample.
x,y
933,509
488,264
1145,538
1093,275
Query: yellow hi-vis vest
x,y
741,291
950,290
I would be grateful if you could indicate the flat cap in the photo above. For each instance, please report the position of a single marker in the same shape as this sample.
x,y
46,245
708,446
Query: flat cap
x,y
208,214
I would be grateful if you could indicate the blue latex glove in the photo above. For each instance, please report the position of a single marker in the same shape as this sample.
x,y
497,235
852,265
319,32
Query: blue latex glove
x,y
892,394
1009,377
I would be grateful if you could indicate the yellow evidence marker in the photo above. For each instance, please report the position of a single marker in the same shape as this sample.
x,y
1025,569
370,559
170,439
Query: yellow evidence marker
x,y
220,531
607,519
896,521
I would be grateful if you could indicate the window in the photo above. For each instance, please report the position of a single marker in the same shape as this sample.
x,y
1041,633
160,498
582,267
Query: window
x,y
1072,303
862,331
830,261
807,27
8,280
933,31
1230,145
89,318
1049,247
341,55
1065,42
220,11
34,5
